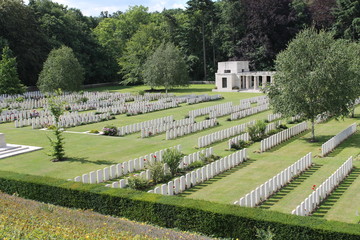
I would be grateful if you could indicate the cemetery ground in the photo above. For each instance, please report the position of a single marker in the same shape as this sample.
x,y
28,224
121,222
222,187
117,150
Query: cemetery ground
x,y
91,152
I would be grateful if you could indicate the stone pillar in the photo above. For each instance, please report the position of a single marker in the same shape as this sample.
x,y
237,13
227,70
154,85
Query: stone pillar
x,y
248,78
256,82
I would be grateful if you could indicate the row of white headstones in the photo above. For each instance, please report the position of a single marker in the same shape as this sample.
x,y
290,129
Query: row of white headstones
x,y
184,163
282,136
246,137
272,117
137,127
202,174
250,111
191,128
264,191
311,203
333,142
228,110
205,111
223,134
75,119
161,128
120,169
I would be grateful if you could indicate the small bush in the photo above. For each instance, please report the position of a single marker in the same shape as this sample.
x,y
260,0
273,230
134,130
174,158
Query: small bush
x,y
51,127
173,158
266,121
282,126
157,171
110,130
257,131
228,119
235,88
137,182
93,131
240,145
19,99
196,164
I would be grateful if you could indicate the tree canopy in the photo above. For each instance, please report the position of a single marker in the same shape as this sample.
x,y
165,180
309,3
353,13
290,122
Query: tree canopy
x,y
315,75
61,71
166,67
9,78
113,47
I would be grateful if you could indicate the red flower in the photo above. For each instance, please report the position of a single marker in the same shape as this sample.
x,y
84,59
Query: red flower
x,y
313,189
144,159
154,156
314,186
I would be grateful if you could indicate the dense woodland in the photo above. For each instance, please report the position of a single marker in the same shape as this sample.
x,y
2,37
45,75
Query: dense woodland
x,y
114,47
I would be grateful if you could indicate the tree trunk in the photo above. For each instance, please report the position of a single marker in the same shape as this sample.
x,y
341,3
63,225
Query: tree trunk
x,y
313,130
204,50
353,111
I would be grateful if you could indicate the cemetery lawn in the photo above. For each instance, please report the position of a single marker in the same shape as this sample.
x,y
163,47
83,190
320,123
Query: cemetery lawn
x,y
263,166
91,152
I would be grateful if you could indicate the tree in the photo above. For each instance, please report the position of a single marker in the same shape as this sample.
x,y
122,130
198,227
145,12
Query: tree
x,y
56,107
9,79
271,24
142,45
18,25
166,67
316,74
347,19
61,70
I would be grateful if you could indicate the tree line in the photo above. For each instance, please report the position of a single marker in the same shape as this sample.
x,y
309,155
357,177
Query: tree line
x,y
115,47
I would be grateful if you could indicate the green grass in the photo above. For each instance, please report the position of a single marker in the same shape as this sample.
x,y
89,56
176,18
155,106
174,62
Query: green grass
x,y
90,152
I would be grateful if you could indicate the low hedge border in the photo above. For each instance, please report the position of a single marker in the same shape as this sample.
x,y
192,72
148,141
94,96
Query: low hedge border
x,y
209,218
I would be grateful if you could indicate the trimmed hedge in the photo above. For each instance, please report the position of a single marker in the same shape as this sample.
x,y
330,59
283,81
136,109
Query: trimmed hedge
x,y
213,219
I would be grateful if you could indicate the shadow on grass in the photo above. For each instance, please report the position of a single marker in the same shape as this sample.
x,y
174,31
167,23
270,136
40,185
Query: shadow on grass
x,y
216,178
289,187
291,140
336,194
352,141
84,160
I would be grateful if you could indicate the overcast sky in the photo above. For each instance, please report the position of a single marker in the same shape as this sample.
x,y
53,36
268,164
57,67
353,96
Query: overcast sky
x,y
94,7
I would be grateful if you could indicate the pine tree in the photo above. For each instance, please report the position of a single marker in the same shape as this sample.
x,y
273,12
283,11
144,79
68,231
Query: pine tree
x,y
9,78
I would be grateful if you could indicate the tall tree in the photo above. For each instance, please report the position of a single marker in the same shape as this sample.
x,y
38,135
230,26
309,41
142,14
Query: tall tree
x,y
316,74
166,67
61,71
9,78
347,19
271,24
202,15
322,13
142,45
21,30
68,26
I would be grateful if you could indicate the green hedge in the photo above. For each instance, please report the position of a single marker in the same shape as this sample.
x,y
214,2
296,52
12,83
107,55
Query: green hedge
x,y
213,219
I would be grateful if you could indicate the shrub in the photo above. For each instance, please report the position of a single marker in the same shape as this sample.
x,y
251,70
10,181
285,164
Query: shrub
x,y
137,182
110,130
93,131
235,88
239,145
272,132
257,131
173,158
19,99
196,164
228,119
157,171
282,126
